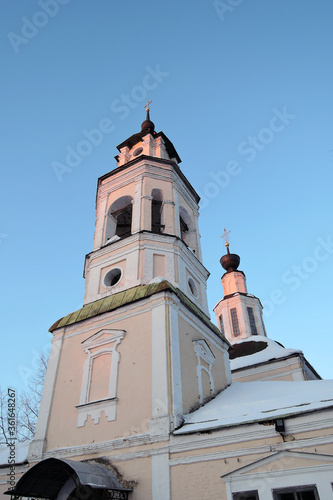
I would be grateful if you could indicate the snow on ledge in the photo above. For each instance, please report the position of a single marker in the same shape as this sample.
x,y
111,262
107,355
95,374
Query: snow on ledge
x,y
250,402
158,279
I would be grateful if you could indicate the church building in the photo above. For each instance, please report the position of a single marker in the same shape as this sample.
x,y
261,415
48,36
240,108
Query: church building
x,y
140,398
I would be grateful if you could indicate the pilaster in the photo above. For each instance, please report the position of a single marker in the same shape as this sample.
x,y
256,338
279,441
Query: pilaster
x,y
137,207
177,396
169,216
36,448
146,213
159,423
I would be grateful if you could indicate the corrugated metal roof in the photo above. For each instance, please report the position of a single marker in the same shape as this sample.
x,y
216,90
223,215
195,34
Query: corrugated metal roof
x,y
129,296
46,478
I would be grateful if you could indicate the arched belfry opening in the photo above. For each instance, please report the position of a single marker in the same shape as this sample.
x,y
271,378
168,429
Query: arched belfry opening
x,y
119,218
157,225
187,229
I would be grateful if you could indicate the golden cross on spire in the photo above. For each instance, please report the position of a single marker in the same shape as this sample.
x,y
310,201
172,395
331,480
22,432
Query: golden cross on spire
x,y
225,236
147,105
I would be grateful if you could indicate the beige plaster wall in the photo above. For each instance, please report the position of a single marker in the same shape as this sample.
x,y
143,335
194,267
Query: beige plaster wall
x,y
285,372
288,462
166,187
138,471
128,190
158,265
260,376
234,282
134,384
200,481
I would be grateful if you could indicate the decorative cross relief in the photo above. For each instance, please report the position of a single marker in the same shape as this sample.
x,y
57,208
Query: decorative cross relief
x,y
204,357
100,376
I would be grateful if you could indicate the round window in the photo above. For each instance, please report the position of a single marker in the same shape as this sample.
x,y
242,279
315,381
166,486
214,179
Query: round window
x,y
112,277
192,287
137,152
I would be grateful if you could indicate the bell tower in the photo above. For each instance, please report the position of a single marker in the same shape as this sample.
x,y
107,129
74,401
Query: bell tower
x,y
142,351
146,222
238,314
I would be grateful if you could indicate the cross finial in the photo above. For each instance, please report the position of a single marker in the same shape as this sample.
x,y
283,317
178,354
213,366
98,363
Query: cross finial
x,y
147,105
225,236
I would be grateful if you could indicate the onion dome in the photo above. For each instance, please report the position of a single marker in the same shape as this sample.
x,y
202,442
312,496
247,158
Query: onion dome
x,y
230,261
148,125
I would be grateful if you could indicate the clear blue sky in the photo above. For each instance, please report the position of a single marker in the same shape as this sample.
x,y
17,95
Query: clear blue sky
x,y
242,89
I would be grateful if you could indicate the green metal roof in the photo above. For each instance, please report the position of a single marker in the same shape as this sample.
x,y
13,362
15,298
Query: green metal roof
x,y
112,302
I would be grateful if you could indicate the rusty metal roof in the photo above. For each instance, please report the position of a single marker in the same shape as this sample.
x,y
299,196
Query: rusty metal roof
x,y
129,296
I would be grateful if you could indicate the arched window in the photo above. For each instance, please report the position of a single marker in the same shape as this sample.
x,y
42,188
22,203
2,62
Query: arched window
x,y
156,211
100,376
119,218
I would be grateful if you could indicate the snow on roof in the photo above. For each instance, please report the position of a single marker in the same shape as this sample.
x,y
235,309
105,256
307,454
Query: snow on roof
x,y
21,453
248,402
273,350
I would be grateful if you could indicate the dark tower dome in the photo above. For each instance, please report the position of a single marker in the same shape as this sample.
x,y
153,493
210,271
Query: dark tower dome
x,y
230,261
148,125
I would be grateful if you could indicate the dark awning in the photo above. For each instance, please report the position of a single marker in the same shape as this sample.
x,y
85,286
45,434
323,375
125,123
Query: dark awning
x,y
45,479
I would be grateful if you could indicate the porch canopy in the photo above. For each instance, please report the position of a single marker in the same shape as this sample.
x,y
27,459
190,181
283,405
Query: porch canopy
x,y
47,478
